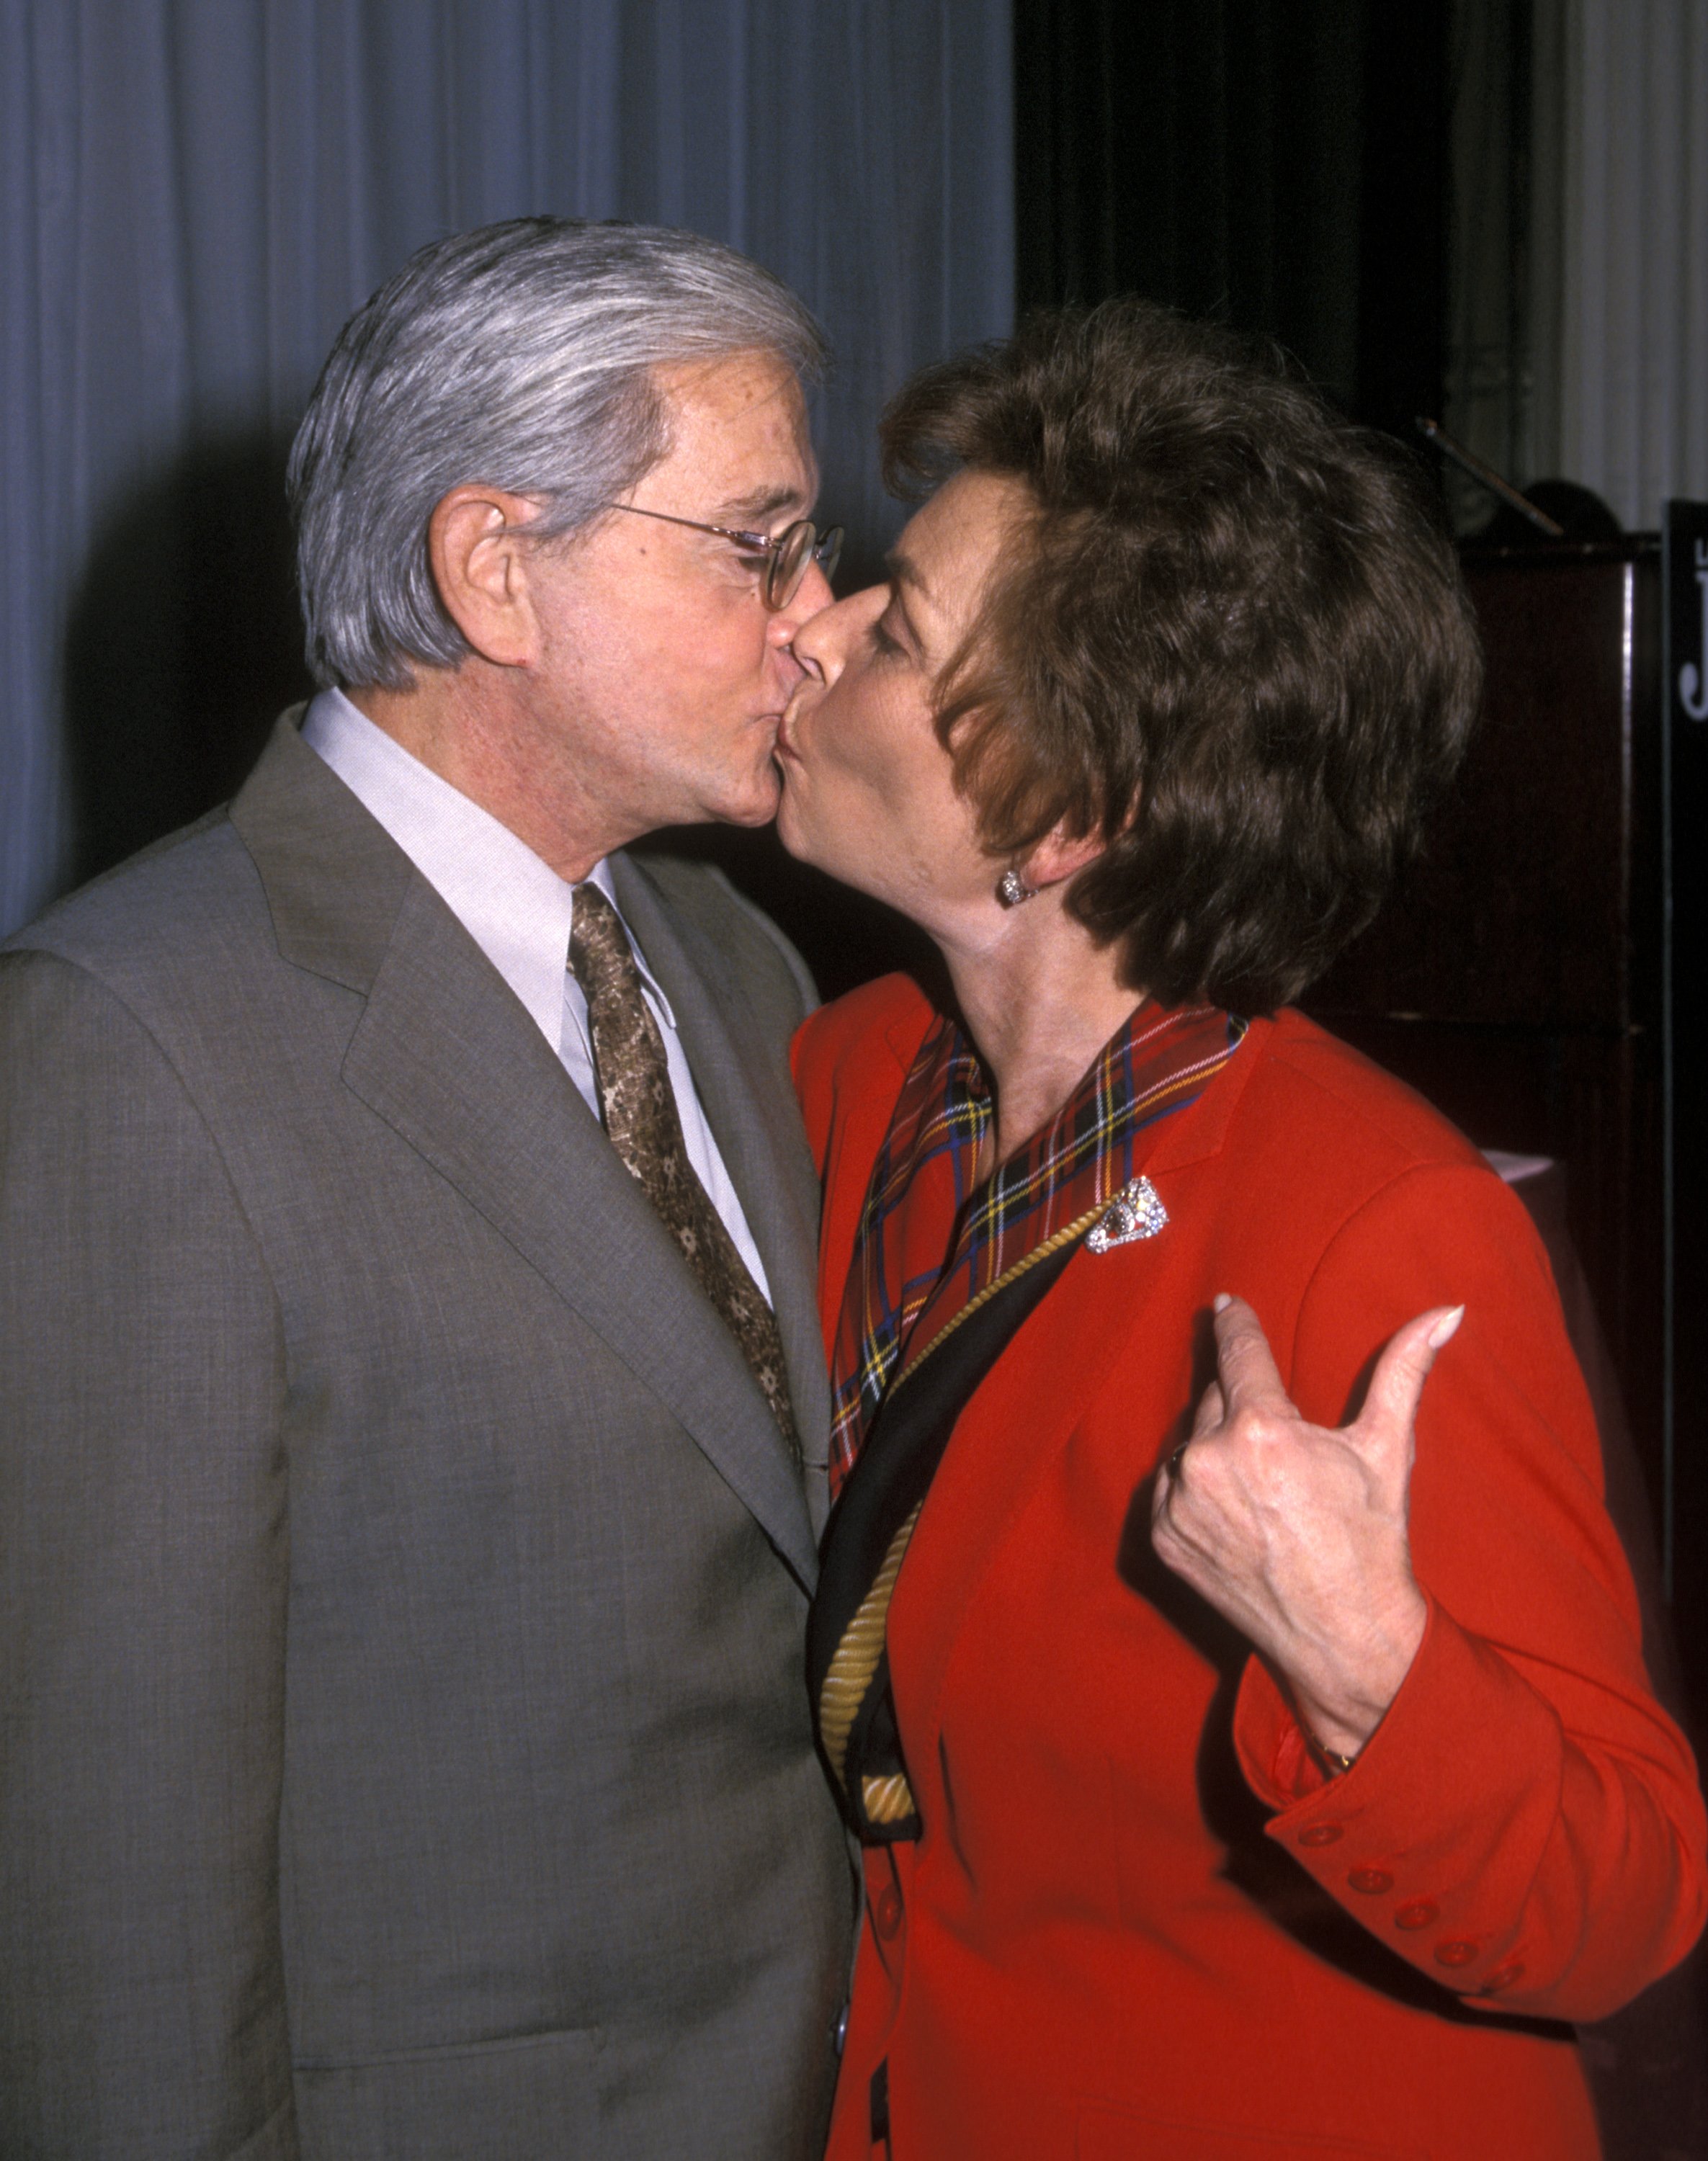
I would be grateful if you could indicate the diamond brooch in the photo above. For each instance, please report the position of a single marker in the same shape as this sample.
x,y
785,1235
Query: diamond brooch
x,y
1134,1213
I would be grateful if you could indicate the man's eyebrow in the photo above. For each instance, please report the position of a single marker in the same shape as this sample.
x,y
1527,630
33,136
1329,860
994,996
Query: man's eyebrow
x,y
758,507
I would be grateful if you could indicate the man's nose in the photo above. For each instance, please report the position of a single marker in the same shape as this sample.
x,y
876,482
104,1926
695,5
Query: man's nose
x,y
810,598
815,591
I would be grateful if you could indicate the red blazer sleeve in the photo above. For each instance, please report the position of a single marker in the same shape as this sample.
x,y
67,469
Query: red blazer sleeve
x,y
1525,1826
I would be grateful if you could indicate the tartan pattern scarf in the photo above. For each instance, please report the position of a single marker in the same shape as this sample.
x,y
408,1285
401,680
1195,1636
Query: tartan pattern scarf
x,y
903,1291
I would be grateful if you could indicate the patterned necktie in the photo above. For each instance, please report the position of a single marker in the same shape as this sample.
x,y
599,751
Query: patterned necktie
x,y
639,1106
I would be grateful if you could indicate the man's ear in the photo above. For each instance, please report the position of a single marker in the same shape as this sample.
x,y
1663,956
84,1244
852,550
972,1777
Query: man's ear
x,y
477,545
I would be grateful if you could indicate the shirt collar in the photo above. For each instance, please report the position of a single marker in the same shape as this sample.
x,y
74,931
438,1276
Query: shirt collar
x,y
514,906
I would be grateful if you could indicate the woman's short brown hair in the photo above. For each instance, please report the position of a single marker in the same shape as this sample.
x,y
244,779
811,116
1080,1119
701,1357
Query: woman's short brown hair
x,y
1233,638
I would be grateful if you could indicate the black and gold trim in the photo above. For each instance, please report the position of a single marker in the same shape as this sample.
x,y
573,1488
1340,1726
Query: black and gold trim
x,y
866,1539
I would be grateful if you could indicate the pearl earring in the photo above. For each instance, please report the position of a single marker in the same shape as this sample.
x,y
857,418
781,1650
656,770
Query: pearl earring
x,y
1011,889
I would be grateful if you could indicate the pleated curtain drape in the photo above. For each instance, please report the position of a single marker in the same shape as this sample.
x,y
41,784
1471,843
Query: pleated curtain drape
x,y
1632,360
1578,336
196,193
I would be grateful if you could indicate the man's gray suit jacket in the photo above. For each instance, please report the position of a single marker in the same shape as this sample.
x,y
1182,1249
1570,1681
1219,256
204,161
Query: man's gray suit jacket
x,y
403,1743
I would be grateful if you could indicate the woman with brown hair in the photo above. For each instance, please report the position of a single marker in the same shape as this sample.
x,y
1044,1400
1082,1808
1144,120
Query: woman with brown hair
x,y
1250,1744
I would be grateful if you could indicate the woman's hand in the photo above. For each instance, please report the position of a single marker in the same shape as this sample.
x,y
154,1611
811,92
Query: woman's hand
x,y
1297,1533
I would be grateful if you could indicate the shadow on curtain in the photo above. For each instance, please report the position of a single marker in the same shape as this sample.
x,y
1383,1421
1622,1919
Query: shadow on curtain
x,y
181,644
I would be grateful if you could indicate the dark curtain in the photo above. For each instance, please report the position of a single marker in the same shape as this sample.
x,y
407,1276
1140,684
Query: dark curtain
x,y
1278,164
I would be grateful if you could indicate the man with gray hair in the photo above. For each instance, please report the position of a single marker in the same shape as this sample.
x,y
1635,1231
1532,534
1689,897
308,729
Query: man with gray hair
x,y
415,1415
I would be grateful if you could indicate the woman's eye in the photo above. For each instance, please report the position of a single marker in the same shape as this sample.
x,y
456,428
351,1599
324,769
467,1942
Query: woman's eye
x,y
883,644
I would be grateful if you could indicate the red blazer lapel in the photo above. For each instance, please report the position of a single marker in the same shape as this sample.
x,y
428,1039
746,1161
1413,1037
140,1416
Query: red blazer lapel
x,y
1050,1376
1039,1391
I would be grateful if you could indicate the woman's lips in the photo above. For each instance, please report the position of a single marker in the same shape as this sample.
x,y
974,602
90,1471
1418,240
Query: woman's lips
x,y
786,746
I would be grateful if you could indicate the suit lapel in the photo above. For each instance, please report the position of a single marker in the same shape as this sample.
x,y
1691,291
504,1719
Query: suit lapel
x,y
751,1108
448,1057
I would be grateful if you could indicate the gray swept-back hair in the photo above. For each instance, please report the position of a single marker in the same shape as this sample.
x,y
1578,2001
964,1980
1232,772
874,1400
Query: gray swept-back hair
x,y
518,355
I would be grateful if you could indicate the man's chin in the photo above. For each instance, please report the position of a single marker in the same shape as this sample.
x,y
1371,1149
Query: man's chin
x,y
751,801
761,800
792,831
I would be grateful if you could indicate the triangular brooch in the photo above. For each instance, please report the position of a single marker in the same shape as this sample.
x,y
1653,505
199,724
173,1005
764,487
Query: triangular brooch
x,y
1134,1213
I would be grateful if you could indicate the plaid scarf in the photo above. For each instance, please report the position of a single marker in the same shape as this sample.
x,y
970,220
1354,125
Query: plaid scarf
x,y
903,1289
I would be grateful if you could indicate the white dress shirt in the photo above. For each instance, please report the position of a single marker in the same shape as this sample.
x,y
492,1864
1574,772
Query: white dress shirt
x,y
519,911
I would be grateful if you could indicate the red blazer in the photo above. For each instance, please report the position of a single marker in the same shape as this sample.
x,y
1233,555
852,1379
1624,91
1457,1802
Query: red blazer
x,y
1139,1920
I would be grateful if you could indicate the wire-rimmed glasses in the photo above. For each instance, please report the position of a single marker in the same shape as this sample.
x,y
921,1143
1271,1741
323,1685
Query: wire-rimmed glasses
x,y
786,556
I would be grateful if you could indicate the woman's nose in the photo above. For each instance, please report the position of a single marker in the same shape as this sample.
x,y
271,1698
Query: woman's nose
x,y
823,641
813,641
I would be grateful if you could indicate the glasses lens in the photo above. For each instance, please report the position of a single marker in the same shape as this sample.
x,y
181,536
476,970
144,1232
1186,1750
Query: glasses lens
x,y
788,564
829,552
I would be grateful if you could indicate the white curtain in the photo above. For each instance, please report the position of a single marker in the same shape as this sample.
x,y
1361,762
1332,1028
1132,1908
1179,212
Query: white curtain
x,y
1633,355
197,192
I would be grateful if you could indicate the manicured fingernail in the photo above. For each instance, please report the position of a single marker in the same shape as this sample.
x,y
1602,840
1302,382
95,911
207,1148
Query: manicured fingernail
x,y
1222,1301
1447,1328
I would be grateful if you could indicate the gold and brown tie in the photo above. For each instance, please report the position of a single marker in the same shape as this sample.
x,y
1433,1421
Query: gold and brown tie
x,y
640,1109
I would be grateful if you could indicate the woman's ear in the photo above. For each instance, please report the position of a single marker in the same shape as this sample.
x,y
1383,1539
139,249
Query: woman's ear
x,y
477,545
1059,857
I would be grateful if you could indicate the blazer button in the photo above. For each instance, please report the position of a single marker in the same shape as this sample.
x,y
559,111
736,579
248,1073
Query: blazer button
x,y
1320,1835
1416,1914
887,1911
1373,1880
1455,1950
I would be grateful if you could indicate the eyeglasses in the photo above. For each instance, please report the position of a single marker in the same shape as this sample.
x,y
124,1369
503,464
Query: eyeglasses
x,y
786,557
